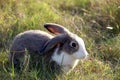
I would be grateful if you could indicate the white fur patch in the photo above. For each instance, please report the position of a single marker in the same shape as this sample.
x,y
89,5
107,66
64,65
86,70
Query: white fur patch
x,y
65,60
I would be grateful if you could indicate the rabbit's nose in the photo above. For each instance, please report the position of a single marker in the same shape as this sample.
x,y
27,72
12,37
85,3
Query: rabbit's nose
x,y
86,55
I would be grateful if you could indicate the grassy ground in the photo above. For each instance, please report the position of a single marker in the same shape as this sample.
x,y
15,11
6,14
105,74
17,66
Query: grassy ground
x,y
96,21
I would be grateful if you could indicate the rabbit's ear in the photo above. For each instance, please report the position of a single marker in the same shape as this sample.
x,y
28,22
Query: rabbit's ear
x,y
58,40
55,28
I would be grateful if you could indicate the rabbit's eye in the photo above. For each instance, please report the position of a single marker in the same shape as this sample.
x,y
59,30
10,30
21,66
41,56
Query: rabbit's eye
x,y
73,44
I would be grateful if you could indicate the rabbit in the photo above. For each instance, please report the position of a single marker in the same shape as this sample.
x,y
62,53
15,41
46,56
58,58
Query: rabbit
x,y
65,48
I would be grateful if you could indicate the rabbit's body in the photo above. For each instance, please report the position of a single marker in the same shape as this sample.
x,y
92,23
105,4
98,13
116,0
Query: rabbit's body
x,y
32,42
65,49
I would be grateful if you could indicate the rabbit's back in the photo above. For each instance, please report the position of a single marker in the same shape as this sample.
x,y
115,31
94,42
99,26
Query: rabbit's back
x,y
32,40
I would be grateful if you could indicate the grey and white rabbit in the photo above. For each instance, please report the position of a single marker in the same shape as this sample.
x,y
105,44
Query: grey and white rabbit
x,y
65,48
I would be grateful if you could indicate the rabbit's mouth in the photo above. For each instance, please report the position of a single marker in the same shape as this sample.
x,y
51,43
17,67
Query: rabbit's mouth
x,y
80,55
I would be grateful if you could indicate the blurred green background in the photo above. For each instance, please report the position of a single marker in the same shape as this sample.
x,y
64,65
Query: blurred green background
x,y
96,21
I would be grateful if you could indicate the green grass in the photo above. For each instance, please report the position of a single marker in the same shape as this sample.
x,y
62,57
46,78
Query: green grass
x,y
90,19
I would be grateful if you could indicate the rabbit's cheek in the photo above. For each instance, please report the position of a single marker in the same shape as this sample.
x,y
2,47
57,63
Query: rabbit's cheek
x,y
80,54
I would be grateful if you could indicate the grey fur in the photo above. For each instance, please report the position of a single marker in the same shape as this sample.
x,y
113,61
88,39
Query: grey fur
x,y
32,40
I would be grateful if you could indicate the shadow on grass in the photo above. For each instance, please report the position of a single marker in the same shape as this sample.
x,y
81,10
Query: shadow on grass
x,y
32,70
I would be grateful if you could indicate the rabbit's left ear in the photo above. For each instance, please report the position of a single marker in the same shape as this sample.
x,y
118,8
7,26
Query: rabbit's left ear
x,y
55,28
53,43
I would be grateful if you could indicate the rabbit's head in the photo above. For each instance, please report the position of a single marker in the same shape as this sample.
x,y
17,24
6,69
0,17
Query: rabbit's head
x,y
65,41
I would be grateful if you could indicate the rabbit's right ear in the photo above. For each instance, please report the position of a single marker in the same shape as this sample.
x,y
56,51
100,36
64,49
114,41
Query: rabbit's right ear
x,y
58,40
55,28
